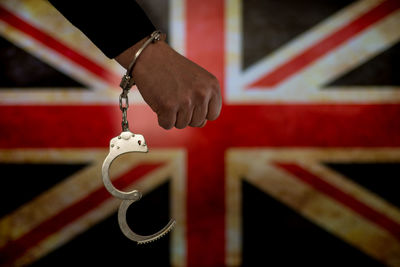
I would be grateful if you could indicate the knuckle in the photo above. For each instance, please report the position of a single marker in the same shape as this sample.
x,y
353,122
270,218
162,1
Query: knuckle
x,y
165,114
168,106
201,95
186,102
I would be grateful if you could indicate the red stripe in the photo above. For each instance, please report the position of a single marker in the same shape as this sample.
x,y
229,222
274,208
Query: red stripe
x,y
294,65
205,39
58,47
348,200
206,193
15,249
367,125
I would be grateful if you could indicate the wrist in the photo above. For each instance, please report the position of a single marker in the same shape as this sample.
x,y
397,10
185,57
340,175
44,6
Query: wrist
x,y
126,57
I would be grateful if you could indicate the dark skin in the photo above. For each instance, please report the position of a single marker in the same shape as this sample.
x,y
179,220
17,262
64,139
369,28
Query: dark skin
x,y
179,91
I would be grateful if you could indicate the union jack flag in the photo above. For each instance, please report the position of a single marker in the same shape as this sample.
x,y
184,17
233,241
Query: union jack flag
x,y
302,166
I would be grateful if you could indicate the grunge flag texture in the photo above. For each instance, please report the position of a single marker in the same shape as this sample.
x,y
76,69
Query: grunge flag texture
x,y
301,169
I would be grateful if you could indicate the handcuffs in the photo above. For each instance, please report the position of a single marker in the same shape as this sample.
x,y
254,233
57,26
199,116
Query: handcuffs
x,y
128,142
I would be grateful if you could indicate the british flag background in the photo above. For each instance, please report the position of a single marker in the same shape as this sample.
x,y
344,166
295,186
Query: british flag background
x,y
301,169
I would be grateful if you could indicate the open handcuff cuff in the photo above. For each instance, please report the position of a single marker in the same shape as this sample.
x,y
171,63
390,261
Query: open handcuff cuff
x,y
128,142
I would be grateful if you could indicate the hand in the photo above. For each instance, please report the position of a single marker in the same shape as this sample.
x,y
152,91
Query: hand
x,y
178,90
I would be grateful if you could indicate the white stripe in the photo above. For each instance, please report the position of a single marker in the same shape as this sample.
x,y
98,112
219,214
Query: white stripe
x,y
177,25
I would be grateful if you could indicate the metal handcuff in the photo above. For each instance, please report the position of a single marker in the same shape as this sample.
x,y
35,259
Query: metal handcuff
x,y
128,142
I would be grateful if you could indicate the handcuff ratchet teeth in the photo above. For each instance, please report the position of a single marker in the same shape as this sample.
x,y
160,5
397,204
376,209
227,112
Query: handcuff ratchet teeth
x,y
128,142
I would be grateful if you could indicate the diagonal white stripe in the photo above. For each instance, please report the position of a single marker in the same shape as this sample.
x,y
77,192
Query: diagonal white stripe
x,y
257,167
305,85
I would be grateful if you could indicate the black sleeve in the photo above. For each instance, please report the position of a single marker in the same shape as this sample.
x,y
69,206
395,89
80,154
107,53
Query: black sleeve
x,y
113,26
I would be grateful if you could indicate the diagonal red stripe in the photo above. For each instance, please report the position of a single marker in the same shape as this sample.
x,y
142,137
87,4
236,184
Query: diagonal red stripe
x,y
15,249
60,48
346,199
294,65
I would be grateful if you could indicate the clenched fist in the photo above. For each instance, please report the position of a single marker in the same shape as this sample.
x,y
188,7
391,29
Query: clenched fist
x,y
178,90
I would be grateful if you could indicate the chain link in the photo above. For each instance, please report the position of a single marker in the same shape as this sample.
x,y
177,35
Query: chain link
x,y
123,106
124,124
125,103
